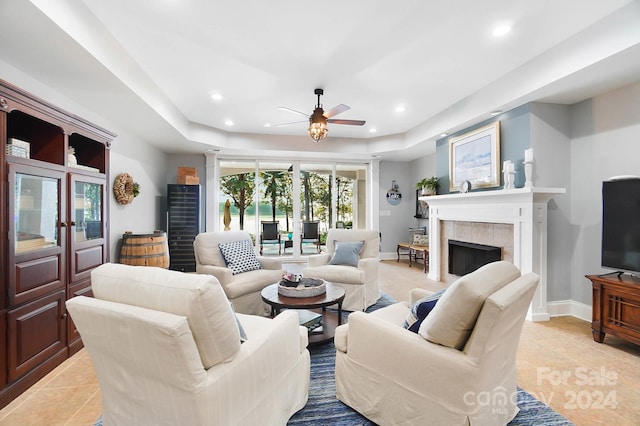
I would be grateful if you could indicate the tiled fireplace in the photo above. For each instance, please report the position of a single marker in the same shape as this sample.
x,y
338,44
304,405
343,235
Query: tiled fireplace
x,y
514,220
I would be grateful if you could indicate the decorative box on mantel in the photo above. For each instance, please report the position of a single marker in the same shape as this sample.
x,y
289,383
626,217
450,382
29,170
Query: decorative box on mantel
x,y
524,208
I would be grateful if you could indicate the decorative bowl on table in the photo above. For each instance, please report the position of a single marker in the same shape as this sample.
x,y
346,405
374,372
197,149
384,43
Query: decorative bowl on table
x,y
303,287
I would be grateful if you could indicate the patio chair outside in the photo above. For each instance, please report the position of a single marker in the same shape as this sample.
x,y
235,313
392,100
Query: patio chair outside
x,y
270,235
310,234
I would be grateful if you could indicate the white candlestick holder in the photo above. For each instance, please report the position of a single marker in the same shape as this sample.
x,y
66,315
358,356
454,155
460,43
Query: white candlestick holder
x,y
509,179
528,174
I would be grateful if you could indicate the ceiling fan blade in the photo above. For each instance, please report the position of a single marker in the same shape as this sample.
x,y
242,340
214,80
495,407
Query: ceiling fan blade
x,y
294,111
336,110
293,122
349,122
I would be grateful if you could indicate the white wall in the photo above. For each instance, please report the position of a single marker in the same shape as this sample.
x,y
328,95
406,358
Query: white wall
x,y
551,143
605,142
395,220
147,165
395,226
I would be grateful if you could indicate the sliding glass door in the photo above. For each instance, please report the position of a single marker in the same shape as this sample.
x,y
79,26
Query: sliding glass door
x,y
288,206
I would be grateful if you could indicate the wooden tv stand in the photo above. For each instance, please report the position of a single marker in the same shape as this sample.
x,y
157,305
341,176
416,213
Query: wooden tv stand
x,y
616,307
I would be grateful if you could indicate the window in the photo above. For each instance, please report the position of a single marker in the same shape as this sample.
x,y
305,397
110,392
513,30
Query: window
x,y
332,194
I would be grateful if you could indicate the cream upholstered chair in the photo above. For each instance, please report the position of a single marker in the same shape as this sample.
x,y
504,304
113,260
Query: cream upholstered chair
x,y
460,366
166,347
360,279
242,288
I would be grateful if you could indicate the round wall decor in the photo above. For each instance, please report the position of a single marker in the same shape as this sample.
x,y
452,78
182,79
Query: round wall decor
x,y
394,197
124,188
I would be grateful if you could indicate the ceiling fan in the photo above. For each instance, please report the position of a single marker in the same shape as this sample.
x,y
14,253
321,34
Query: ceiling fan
x,y
318,120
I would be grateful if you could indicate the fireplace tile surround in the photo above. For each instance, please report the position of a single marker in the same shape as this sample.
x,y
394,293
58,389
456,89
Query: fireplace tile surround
x,y
513,219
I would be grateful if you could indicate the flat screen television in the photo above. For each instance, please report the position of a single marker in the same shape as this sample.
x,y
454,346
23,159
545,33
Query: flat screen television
x,y
621,224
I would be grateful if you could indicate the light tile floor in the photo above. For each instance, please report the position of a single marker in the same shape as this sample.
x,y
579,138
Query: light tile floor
x,y
558,362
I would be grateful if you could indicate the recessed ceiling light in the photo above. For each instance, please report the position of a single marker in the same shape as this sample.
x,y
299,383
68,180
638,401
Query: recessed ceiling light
x,y
228,122
372,130
400,108
501,30
216,96
444,135
496,112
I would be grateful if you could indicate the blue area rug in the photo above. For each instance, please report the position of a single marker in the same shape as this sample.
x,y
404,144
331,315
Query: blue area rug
x,y
323,408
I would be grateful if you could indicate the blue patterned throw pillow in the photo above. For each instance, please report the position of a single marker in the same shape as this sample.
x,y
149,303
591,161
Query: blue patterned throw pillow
x,y
420,310
239,256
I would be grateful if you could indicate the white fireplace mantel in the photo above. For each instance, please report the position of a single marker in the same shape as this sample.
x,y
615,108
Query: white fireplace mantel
x,y
524,208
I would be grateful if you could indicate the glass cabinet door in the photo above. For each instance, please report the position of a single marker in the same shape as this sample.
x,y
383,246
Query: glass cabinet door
x,y
87,210
36,216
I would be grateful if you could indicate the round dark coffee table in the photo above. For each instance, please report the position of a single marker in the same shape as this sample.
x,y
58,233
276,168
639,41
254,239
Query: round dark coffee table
x,y
330,319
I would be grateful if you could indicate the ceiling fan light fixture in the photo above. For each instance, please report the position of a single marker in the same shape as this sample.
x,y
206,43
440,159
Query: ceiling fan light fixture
x,y
318,125
318,131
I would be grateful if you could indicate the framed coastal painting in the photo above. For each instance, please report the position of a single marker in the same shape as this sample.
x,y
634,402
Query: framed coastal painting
x,y
475,157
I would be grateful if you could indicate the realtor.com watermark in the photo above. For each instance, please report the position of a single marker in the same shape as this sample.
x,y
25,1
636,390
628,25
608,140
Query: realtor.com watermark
x,y
598,390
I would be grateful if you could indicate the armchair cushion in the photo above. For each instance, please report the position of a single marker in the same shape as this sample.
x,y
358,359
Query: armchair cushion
x,y
346,253
454,316
239,256
199,298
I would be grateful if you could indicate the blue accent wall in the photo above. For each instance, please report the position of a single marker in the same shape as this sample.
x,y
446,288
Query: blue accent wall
x,y
515,137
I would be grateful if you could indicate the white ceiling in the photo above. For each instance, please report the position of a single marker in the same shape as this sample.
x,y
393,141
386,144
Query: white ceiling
x,y
151,65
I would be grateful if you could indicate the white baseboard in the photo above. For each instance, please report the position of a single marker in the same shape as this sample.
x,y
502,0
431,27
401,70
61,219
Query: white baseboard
x,y
570,307
390,255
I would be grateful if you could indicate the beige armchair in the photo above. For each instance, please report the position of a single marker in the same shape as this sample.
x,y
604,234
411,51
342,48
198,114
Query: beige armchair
x,y
359,281
458,369
242,289
166,347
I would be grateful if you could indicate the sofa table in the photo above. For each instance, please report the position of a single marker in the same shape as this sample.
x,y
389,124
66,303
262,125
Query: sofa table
x,y
330,320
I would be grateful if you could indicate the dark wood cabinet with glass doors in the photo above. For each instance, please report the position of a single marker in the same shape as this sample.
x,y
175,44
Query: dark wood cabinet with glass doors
x,y
55,214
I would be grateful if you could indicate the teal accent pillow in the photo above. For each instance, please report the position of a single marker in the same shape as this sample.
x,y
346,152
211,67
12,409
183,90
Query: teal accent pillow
x,y
420,310
346,253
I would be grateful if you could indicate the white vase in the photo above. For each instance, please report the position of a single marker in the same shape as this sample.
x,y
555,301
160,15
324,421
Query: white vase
x,y
427,191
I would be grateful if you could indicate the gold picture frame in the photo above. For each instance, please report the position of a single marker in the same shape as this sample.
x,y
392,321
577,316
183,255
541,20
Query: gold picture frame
x,y
475,157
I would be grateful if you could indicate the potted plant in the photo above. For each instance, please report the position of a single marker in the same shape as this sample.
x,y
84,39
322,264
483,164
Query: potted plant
x,y
429,186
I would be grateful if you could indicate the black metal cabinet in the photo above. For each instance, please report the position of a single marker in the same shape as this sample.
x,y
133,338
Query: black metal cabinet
x,y
183,224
